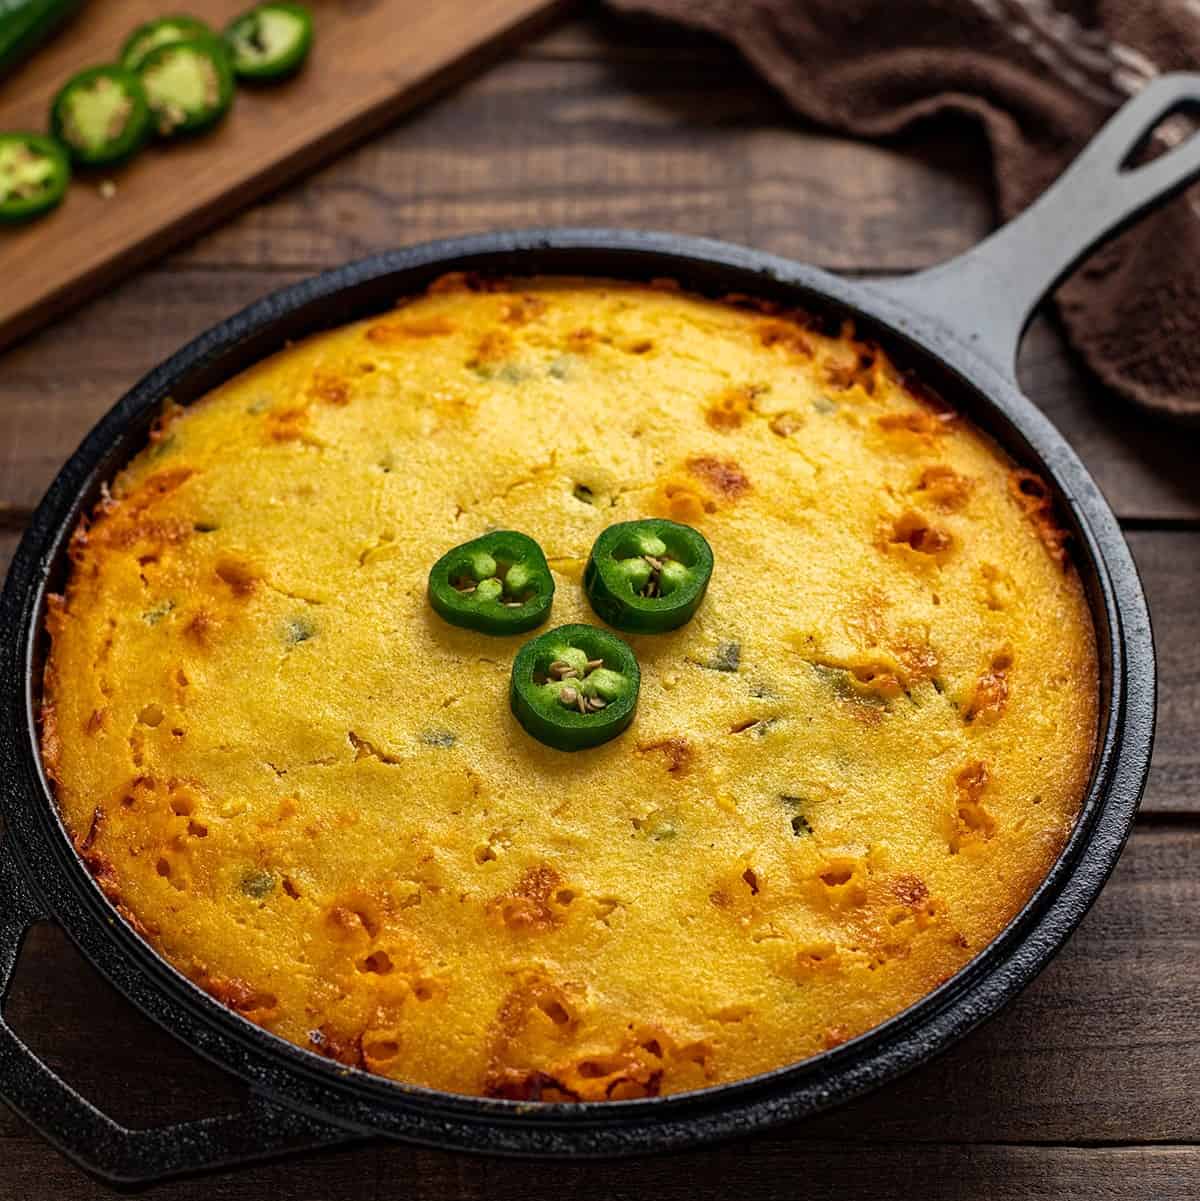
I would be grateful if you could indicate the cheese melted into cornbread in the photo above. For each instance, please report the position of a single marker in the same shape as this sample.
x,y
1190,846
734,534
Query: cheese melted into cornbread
x,y
846,774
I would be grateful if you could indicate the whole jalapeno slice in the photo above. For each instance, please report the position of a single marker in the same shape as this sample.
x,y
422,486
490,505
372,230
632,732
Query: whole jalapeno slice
x,y
166,31
648,576
270,42
497,584
189,85
34,174
574,687
101,115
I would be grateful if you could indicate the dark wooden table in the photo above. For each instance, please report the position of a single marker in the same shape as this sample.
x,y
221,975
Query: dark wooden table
x,y
1087,1086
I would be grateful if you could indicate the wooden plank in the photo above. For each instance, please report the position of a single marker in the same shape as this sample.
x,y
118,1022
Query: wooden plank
x,y
1170,567
693,148
1146,470
1102,1047
371,62
609,36
766,1169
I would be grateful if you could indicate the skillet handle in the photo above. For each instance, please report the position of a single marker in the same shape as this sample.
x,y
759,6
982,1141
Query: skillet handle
x,y
987,296
94,1141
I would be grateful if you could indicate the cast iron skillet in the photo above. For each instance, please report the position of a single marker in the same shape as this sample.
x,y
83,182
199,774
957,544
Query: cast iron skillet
x,y
958,326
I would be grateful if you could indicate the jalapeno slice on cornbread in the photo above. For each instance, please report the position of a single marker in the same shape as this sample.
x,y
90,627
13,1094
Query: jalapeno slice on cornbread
x,y
497,584
648,576
575,687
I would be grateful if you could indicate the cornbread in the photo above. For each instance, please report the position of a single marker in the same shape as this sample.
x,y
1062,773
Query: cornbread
x,y
846,772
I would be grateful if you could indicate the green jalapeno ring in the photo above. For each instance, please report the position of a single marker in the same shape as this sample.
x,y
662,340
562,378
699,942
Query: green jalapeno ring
x,y
164,31
34,174
575,687
101,115
189,85
270,42
648,576
497,584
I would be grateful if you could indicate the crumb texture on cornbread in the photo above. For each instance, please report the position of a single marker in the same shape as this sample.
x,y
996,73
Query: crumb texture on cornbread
x,y
846,773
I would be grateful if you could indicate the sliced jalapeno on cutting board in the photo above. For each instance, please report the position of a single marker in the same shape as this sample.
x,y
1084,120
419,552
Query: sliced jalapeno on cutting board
x,y
166,31
270,42
34,174
101,115
575,687
497,584
189,86
648,576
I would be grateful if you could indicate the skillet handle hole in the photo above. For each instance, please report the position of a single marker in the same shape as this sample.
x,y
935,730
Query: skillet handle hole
x,y
1175,127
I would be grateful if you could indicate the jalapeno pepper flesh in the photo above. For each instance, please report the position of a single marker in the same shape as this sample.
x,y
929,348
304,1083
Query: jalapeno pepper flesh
x,y
34,174
497,584
101,116
270,42
649,576
189,86
575,687
166,31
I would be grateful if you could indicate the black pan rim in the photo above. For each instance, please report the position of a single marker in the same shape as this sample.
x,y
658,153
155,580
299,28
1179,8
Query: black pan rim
x,y
367,1103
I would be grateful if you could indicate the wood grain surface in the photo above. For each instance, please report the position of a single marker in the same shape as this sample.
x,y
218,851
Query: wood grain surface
x,y
371,60
1086,1087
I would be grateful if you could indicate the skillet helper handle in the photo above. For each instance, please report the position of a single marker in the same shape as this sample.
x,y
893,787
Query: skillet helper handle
x,y
93,1140
987,296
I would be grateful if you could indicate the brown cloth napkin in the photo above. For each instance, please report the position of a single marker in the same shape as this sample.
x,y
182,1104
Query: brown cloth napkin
x,y
1040,76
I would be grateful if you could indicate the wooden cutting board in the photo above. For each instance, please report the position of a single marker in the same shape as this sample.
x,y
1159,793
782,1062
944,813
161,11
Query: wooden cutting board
x,y
372,59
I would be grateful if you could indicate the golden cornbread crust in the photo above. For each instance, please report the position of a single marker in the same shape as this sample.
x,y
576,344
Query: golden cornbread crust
x,y
846,773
